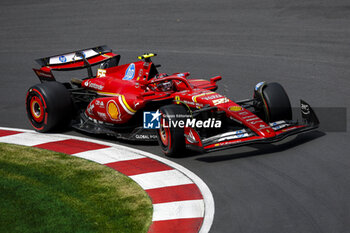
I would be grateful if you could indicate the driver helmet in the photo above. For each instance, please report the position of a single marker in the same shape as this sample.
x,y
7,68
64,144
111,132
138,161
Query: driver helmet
x,y
166,85
161,75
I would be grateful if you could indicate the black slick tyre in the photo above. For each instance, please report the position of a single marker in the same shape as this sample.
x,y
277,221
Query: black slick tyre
x,y
277,102
49,106
172,139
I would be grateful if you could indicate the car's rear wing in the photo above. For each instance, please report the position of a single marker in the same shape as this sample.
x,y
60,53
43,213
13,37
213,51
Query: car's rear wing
x,y
74,60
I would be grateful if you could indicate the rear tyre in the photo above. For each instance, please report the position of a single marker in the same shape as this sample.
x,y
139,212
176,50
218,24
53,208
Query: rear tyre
x,y
172,139
49,106
277,101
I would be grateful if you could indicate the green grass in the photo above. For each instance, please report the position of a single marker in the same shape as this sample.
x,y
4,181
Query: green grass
x,y
43,191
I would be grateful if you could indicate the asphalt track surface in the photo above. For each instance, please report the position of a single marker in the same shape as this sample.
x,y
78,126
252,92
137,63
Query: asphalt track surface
x,y
299,185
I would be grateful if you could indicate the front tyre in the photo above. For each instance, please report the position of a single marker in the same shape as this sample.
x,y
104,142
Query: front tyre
x,y
49,106
274,101
172,139
277,101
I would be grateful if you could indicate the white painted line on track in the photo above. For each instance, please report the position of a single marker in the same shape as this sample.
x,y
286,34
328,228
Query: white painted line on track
x,y
178,210
29,139
108,155
161,179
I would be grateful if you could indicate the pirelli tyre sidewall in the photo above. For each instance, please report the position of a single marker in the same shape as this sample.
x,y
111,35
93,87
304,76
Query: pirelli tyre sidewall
x,y
49,106
172,139
277,101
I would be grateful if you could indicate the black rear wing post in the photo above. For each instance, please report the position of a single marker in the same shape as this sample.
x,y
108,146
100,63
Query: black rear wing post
x,y
86,63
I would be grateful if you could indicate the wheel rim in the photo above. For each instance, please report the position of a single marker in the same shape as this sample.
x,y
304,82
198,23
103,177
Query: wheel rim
x,y
164,135
36,109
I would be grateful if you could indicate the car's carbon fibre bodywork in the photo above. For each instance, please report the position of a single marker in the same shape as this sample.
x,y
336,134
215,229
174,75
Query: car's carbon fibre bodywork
x,y
112,102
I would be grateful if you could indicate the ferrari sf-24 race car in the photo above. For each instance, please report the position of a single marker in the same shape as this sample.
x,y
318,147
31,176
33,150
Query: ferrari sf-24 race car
x,y
135,102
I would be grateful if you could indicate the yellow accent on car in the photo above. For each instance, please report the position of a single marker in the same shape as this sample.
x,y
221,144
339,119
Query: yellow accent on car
x,y
107,93
127,105
235,108
177,98
113,110
146,55
106,56
194,98
123,99
101,73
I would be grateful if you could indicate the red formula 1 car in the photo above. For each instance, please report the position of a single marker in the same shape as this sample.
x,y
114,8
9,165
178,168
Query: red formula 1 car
x,y
135,102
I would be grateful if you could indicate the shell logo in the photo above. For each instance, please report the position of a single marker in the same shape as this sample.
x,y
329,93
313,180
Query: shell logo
x,y
113,110
235,108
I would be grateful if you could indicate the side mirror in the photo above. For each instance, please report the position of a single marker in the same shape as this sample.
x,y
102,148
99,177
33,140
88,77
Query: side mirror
x,y
215,79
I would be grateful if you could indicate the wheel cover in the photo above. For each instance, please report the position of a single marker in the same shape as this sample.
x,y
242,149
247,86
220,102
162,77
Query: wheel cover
x,y
36,109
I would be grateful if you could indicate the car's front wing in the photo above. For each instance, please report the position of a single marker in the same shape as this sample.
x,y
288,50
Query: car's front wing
x,y
282,130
